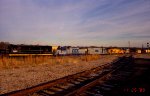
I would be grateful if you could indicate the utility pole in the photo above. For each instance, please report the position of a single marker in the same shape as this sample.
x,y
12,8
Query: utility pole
x,y
129,47
148,50
142,46
142,50
129,44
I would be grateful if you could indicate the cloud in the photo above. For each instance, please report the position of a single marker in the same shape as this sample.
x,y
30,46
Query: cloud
x,y
73,21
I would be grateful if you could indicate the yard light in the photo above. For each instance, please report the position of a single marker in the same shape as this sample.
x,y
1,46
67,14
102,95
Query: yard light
x,y
147,45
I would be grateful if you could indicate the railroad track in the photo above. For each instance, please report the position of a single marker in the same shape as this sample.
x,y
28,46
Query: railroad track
x,y
95,82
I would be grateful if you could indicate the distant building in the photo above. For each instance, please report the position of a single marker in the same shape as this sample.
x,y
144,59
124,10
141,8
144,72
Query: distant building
x,y
83,50
97,50
116,50
139,51
147,50
127,50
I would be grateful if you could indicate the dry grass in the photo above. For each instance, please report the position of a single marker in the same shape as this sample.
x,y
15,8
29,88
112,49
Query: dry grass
x,y
17,62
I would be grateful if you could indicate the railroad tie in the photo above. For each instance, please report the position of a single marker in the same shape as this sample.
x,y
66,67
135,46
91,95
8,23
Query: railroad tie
x,y
92,94
43,93
56,88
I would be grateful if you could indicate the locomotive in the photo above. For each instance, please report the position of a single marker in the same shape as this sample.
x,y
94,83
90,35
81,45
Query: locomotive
x,y
24,50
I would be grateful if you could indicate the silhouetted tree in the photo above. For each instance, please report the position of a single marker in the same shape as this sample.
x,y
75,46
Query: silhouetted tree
x,y
4,45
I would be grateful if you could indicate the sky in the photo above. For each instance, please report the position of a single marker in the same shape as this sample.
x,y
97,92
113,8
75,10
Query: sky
x,y
75,22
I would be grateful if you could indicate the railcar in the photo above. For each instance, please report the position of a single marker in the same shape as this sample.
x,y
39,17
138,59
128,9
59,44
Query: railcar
x,y
25,50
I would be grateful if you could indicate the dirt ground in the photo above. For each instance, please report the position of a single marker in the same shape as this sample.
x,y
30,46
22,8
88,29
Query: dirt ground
x,y
142,56
21,78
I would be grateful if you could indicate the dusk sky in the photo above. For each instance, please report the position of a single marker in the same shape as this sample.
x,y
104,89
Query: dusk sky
x,y
75,22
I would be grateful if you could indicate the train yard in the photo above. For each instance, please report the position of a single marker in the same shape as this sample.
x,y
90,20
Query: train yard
x,y
125,76
47,50
74,48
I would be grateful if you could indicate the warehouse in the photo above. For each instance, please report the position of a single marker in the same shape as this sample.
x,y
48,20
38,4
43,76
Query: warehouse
x,y
97,50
